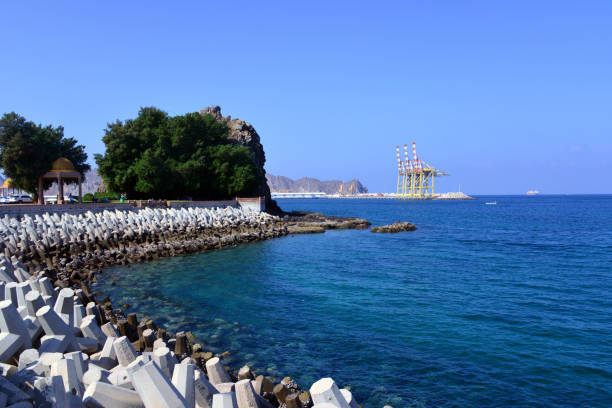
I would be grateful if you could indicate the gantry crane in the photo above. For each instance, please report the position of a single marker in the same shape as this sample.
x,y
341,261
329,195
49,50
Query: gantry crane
x,y
416,178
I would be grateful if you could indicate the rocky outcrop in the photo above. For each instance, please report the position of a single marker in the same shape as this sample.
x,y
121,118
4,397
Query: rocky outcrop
x,y
395,227
308,184
242,133
304,222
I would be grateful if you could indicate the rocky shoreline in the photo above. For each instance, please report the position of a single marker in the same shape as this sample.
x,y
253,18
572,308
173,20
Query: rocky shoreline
x,y
46,263
394,228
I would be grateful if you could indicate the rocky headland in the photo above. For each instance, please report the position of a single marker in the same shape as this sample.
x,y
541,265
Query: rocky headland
x,y
308,184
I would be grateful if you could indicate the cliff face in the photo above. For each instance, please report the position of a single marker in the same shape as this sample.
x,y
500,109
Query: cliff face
x,y
307,184
242,133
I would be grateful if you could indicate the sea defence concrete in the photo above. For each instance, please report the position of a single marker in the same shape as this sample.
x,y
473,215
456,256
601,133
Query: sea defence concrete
x,y
59,346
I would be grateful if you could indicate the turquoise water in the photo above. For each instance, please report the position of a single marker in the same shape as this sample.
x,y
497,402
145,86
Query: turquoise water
x,y
507,305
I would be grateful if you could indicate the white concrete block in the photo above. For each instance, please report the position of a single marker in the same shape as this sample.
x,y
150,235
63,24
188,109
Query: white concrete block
x,y
46,287
183,380
225,387
54,343
120,376
348,397
79,314
155,388
10,293
100,394
11,322
204,390
64,306
34,302
224,400
89,328
67,370
22,290
124,350
164,360
9,345
158,344
109,330
326,391
245,394
216,372
80,363
7,370
27,357
95,374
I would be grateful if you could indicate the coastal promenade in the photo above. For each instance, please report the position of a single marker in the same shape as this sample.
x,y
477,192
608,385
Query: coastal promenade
x,y
62,346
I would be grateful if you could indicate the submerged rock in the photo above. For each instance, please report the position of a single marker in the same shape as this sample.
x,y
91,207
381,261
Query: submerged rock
x,y
395,227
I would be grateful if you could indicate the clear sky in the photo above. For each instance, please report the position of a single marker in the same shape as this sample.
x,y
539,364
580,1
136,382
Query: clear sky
x,y
504,95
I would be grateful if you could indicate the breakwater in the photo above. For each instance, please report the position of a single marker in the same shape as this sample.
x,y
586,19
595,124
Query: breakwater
x,y
61,346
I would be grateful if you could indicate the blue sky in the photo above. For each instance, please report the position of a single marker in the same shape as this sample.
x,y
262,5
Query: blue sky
x,y
505,95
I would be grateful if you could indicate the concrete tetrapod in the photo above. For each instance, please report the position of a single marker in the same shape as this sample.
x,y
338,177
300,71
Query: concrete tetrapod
x,y
124,350
9,345
204,391
183,380
326,390
102,395
95,374
224,400
90,329
164,360
53,325
67,370
247,397
64,306
348,397
155,389
216,372
11,322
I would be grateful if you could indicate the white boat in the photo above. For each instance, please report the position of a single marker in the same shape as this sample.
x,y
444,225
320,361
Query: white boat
x,y
532,192
491,203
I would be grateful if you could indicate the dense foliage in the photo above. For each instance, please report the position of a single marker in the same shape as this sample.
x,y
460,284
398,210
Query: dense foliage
x,y
186,156
27,151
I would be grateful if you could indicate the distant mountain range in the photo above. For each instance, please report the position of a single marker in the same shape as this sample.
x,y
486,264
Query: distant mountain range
x,y
276,184
283,184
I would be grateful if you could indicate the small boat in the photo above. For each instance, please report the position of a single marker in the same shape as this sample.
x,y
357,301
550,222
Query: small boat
x,y
491,203
532,192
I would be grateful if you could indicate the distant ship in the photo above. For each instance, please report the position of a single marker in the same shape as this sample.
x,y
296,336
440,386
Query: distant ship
x,y
533,192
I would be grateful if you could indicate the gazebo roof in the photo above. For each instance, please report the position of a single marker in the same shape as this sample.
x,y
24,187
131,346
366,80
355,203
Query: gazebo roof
x,y
6,184
62,165
62,168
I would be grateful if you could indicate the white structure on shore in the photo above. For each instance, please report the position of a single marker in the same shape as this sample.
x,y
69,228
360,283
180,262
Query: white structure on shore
x,y
318,194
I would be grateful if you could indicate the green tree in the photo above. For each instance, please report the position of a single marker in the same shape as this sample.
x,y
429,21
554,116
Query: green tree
x,y
27,151
158,156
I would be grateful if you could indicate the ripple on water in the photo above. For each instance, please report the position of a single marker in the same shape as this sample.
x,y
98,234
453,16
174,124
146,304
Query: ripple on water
x,y
507,306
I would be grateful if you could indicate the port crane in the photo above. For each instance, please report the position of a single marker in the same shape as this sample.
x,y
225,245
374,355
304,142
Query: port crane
x,y
415,178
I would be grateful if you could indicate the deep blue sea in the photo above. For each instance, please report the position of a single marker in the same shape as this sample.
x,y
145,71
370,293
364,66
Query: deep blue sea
x,y
491,306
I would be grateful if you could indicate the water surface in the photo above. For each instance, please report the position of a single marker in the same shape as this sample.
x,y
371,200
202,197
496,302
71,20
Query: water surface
x,y
506,305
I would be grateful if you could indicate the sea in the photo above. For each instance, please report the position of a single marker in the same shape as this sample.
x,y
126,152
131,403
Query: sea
x,y
506,305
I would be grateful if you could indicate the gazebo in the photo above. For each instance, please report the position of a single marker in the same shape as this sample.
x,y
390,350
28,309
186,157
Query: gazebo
x,y
61,169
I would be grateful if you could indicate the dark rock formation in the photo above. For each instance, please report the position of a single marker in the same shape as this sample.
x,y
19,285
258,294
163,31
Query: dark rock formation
x,y
395,227
307,184
304,222
242,133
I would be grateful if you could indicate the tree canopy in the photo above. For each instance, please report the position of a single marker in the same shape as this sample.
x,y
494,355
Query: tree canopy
x,y
185,156
27,151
